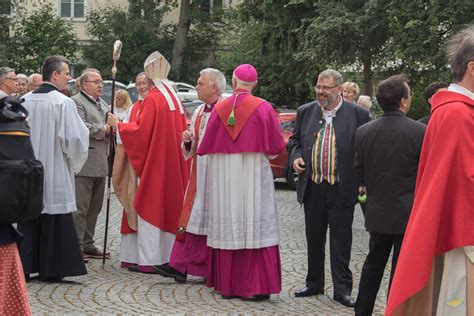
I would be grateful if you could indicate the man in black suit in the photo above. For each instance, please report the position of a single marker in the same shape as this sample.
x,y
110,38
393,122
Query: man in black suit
x,y
322,151
386,163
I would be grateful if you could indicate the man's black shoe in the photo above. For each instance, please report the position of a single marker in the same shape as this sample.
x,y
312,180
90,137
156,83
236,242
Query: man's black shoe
x,y
259,297
228,297
308,291
133,268
168,272
345,300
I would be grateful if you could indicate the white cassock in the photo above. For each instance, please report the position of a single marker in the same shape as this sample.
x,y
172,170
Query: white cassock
x,y
60,141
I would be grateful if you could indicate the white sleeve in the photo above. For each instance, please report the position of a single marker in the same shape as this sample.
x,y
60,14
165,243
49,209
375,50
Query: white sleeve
x,y
73,135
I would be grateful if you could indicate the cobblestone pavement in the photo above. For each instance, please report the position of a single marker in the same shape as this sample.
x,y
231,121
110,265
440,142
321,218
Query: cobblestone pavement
x,y
116,291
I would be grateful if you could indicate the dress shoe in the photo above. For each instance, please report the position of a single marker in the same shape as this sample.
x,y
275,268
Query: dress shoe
x,y
308,291
133,268
168,272
259,297
228,297
95,254
345,300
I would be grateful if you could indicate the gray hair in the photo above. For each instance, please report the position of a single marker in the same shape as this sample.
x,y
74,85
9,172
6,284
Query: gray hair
x,y
460,50
365,101
139,75
4,71
217,77
85,74
22,76
32,76
331,73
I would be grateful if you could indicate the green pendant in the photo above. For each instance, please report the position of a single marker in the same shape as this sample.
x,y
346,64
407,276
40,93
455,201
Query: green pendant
x,y
231,119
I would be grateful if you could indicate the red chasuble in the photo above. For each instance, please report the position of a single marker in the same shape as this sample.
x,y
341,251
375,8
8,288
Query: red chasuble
x,y
153,147
442,218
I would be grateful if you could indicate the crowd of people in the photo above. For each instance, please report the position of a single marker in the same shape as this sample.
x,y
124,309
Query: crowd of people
x,y
200,200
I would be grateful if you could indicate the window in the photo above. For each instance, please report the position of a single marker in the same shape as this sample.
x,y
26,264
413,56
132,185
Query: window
x,y
72,8
5,7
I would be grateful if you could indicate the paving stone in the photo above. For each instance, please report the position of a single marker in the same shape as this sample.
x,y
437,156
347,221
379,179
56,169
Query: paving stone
x,y
112,290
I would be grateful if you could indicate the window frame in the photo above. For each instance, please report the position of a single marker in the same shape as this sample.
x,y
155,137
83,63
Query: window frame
x,y
72,17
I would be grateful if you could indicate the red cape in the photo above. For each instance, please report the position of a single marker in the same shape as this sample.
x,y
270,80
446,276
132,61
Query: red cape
x,y
442,218
153,147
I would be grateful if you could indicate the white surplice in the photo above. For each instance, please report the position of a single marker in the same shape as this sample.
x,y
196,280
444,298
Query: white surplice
x,y
199,216
242,207
60,141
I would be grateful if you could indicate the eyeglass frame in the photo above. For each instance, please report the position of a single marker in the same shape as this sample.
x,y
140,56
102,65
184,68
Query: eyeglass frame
x,y
97,82
325,88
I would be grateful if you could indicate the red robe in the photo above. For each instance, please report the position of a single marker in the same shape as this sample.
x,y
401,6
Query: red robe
x,y
153,147
442,218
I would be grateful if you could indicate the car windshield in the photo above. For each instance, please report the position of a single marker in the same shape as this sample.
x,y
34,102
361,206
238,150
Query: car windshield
x,y
107,92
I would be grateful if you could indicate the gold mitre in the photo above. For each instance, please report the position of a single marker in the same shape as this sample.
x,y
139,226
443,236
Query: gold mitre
x,y
156,67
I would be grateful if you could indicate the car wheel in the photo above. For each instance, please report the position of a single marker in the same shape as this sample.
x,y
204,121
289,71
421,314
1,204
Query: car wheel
x,y
291,178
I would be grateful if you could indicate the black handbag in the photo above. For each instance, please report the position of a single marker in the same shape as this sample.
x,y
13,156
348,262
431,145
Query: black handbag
x,y
21,175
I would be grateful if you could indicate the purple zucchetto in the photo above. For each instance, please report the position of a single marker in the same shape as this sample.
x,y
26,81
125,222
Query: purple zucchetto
x,y
246,73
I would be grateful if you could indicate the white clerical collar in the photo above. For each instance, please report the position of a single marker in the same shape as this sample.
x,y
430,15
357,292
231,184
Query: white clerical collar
x,y
454,87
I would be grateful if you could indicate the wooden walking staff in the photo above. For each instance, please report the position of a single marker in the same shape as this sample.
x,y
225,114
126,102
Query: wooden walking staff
x,y
115,57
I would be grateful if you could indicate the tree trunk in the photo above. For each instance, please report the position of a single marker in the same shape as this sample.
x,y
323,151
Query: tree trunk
x,y
367,70
181,38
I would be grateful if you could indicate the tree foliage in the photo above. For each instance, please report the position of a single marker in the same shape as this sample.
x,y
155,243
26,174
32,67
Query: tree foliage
x,y
198,38
35,36
290,41
140,30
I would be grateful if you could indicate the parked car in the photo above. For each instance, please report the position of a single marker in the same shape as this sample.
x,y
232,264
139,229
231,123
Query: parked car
x,y
280,168
185,91
106,91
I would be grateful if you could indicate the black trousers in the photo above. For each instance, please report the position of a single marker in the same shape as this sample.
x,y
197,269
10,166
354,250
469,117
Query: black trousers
x,y
323,208
380,246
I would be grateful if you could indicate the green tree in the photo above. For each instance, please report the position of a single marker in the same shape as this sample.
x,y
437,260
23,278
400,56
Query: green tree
x,y
290,41
269,34
35,36
141,33
198,38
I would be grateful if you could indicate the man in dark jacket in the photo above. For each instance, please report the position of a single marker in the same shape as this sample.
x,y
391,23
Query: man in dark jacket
x,y
386,163
321,150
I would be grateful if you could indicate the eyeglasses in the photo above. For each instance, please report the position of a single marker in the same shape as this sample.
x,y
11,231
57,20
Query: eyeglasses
x,y
97,82
324,88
